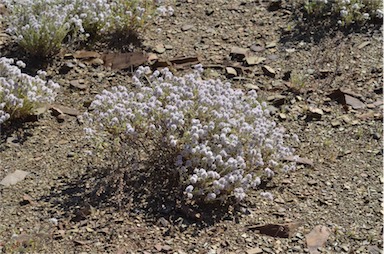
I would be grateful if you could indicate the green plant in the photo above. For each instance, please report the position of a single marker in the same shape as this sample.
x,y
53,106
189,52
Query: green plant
x,y
347,11
41,26
20,93
219,141
298,80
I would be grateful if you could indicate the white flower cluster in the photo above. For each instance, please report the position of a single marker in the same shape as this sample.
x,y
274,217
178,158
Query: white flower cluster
x,y
222,140
349,11
40,26
20,93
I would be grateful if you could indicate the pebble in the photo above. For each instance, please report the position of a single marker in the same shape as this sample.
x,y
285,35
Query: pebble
x,y
297,249
209,12
231,71
160,49
255,250
269,71
335,123
282,116
257,48
344,248
268,250
186,28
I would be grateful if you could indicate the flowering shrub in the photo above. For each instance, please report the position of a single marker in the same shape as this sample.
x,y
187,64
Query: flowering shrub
x,y
221,140
40,26
348,11
20,93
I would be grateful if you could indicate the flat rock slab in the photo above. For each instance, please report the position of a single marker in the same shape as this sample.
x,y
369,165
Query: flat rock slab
x,y
14,178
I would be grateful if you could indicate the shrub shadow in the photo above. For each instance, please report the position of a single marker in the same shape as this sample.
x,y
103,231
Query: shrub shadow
x,y
17,129
33,63
123,42
149,188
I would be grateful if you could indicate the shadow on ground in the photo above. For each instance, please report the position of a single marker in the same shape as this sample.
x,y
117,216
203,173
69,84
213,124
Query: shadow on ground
x,y
150,189
16,131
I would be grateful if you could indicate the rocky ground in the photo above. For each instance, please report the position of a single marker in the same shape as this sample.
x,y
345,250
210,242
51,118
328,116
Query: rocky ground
x,y
324,85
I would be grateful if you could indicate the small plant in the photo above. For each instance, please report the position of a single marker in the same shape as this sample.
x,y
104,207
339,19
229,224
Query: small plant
x,y
220,140
348,11
40,27
128,16
298,80
21,94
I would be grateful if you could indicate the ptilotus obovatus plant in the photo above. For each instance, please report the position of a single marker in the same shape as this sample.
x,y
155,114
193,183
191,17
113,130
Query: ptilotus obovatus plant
x,y
41,26
20,93
348,11
222,141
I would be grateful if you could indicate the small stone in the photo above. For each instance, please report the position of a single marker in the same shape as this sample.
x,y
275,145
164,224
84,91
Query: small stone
x,y
272,109
269,71
239,52
253,60
251,87
77,84
152,58
82,65
344,248
59,109
70,154
314,113
371,106
60,118
166,248
354,102
186,28
268,250
257,48
273,57
231,71
346,119
209,12
14,177
290,50
364,44
335,123
270,45
282,116
255,250
297,249
327,110
160,49
168,46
